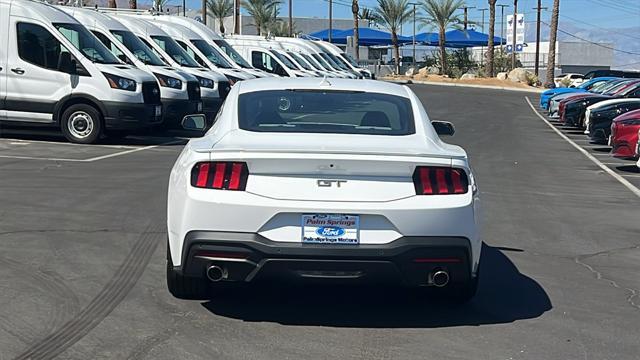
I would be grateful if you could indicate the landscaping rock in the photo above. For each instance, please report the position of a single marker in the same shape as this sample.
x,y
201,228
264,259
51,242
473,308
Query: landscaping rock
x,y
411,71
502,76
519,75
468,76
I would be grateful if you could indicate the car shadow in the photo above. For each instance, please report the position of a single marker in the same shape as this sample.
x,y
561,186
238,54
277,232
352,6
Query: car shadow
x,y
631,168
163,138
604,149
504,295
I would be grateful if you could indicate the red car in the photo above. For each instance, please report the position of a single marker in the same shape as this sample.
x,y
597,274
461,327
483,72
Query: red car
x,y
624,135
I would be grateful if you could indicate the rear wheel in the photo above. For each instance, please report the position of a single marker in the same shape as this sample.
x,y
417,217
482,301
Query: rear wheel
x,y
184,287
81,123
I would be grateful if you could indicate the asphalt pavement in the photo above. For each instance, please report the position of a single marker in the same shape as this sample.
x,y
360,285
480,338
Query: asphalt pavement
x,y
83,239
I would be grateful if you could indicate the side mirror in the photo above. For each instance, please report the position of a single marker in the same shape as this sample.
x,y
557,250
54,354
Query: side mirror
x,y
443,128
194,122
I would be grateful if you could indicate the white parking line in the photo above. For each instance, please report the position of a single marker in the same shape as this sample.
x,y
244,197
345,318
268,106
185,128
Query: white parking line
x,y
29,142
613,174
97,158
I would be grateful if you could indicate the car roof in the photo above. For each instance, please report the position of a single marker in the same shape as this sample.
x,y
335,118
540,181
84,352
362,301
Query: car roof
x,y
373,86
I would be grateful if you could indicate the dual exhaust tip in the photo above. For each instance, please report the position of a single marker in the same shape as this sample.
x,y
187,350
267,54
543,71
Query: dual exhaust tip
x,y
439,278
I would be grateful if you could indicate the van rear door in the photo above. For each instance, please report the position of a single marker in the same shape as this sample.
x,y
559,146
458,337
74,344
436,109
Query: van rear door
x,y
34,85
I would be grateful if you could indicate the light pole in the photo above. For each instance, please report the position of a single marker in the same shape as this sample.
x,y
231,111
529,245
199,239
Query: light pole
x,y
290,20
414,33
330,19
481,46
513,41
465,8
537,65
502,25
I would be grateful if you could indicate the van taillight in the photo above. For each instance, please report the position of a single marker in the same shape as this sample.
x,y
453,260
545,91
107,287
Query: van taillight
x,y
432,180
220,175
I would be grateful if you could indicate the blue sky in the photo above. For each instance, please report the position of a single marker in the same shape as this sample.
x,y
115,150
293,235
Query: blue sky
x,y
602,13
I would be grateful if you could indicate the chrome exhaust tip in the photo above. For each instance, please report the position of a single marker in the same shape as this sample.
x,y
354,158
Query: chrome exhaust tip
x,y
440,278
215,273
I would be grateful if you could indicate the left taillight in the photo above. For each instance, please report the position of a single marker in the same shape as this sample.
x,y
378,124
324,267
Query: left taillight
x,y
437,180
220,175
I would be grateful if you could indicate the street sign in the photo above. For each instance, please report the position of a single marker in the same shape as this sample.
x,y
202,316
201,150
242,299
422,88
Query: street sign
x,y
520,27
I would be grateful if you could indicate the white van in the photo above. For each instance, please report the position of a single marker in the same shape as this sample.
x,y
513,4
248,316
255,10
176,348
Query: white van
x,y
214,40
176,86
313,54
214,87
340,56
54,72
257,52
201,51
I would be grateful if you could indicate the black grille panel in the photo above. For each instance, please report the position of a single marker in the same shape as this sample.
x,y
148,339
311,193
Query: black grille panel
x,y
151,93
193,90
223,89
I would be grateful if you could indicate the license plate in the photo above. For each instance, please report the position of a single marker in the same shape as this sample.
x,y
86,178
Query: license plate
x,y
159,110
330,229
199,106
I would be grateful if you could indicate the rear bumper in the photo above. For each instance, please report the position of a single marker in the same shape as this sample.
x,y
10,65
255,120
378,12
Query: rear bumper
x,y
249,257
119,115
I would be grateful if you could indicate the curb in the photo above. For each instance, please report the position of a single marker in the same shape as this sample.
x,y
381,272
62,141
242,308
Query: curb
x,y
420,82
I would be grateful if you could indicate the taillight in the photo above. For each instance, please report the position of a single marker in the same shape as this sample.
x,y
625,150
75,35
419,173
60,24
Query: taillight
x,y
431,180
220,175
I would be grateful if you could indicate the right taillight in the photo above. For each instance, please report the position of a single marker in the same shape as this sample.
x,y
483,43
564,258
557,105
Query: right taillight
x,y
220,175
436,180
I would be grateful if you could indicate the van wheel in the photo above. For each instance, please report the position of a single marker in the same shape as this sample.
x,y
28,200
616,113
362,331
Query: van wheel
x,y
81,123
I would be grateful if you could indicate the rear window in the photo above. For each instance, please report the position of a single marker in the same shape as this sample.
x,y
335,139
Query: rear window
x,y
321,111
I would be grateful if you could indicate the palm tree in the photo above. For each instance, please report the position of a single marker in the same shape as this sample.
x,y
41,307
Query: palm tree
x,y
392,14
112,4
441,14
551,62
220,9
369,15
159,4
355,9
133,4
492,30
262,11
204,11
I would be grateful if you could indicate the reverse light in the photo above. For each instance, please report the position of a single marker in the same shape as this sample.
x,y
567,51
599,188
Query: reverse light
x,y
220,175
436,180
120,83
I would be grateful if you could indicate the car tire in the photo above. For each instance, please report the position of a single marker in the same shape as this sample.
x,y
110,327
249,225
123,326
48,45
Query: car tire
x,y
81,124
184,287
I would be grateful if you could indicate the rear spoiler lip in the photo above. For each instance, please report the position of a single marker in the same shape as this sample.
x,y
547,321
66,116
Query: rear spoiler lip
x,y
331,152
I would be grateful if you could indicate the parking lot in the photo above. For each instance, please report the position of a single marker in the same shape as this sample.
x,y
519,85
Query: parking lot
x,y
83,239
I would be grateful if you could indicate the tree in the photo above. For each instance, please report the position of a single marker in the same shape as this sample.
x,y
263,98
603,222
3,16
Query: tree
x,y
112,4
551,62
492,31
133,4
355,10
220,9
368,15
392,14
441,14
263,12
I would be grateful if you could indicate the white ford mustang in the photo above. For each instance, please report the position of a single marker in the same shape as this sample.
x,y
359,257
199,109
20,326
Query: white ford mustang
x,y
333,180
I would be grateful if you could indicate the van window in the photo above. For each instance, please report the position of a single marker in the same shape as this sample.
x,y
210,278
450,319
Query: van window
x,y
38,46
144,41
283,59
84,41
141,50
174,50
112,47
300,61
192,53
232,53
212,54
264,61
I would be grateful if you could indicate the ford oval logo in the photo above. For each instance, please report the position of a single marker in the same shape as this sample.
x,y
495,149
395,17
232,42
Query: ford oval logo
x,y
329,231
